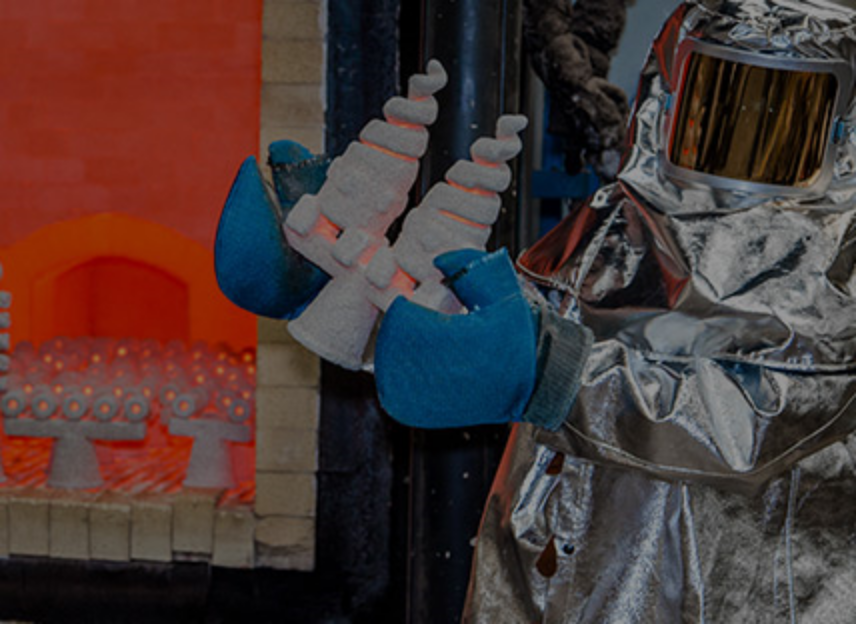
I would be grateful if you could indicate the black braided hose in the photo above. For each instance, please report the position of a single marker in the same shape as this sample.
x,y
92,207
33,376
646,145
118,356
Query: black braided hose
x,y
569,46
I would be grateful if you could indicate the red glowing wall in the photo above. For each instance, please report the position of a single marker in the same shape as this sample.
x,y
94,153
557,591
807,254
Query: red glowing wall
x,y
134,113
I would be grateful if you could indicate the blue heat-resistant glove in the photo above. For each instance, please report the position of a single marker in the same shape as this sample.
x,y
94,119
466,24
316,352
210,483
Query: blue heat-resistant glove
x,y
255,267
505,361
438,370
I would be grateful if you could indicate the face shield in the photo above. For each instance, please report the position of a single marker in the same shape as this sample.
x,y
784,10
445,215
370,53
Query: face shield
x,y
744,121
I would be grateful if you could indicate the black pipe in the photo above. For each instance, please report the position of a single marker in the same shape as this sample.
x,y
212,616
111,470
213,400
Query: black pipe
x,y
363,455
478,42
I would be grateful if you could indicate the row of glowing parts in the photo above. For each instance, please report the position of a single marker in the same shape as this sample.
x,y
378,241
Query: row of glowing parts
x,y
80,390
106,380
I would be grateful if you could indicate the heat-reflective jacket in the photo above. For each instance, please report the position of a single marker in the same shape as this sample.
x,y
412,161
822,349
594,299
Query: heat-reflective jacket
x,y
705,472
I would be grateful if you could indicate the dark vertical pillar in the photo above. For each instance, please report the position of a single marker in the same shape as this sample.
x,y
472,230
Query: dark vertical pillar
x,y
361,517
478,43
362,63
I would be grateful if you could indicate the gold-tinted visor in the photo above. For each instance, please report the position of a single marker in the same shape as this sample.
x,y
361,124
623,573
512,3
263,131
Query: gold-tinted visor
x,y
753,123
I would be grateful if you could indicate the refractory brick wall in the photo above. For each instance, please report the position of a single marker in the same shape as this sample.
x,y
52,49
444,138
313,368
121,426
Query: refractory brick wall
x,y
113,112
292,95
132,106
182,111
287,394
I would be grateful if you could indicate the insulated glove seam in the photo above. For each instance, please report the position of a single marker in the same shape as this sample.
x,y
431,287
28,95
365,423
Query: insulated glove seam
x,y
562,350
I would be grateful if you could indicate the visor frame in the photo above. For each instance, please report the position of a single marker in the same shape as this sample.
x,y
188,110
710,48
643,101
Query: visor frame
x,y
842,72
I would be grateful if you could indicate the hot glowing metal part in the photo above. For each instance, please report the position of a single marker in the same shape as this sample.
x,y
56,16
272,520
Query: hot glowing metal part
x,y
343,228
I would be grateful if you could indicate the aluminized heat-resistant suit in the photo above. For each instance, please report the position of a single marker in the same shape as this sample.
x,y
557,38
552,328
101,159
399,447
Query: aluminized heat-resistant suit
x,y
707,469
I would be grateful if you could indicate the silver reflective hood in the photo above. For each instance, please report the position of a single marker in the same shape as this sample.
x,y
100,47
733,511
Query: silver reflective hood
x,y
817,30
706,471
724,322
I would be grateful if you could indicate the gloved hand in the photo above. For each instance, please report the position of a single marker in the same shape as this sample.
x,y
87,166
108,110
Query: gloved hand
x,y
255,267
439,370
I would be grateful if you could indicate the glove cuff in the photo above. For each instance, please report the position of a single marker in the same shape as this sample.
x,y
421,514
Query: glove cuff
x,y
562,351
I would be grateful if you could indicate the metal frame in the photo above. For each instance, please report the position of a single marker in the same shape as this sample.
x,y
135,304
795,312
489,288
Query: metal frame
x,y
842,71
